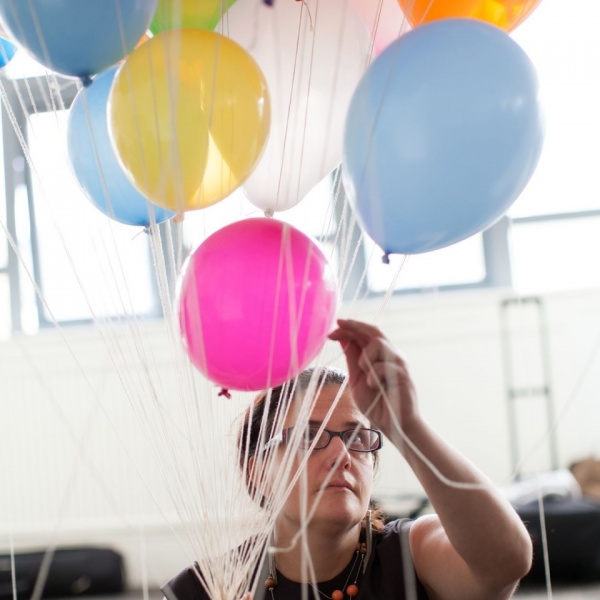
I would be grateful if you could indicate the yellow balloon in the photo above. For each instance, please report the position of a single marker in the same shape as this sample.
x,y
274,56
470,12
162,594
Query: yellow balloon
x,y
189,117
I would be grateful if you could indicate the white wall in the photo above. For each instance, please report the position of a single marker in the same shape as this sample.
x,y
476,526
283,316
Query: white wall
x,y
90,450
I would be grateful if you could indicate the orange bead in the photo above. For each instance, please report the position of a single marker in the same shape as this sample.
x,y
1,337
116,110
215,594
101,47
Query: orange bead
x,y
352,590
270,583
337,595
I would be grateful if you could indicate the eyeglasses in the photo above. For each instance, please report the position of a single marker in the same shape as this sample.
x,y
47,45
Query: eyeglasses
x,y
357,440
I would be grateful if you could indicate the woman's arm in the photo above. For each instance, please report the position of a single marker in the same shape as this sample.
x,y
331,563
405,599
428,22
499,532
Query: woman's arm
x,y
475,547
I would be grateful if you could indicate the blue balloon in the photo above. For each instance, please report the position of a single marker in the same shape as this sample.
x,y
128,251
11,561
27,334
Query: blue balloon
x,y
77,37
7,51
94,160
442,135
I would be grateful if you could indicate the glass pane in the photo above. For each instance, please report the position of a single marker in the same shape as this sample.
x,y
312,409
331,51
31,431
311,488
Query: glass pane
x,y
555,255
331,252
313,216
5,322
3,249
3,240
90,266
461,263
27,293
199,224
22,65
566,178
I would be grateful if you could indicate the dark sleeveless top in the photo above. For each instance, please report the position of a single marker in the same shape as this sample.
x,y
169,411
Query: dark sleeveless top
x,y
389,575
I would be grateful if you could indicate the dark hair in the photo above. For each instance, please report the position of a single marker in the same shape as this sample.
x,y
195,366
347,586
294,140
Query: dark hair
x,y
259,419
260,416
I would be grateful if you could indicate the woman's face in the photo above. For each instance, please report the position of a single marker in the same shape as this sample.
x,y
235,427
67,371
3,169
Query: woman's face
x,y
338,479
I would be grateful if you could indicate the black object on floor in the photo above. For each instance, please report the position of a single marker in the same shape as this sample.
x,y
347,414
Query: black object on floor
x,y
73,572
573,535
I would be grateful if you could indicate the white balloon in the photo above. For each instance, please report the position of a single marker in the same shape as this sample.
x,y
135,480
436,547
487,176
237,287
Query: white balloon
x,y
313,54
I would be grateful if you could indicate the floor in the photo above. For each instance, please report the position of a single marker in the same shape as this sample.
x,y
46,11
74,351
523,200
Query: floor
x,y
583,592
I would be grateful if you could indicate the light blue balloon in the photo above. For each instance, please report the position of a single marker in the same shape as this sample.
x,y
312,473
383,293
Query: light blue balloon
x,y
7,51
77,37
94,160
442,135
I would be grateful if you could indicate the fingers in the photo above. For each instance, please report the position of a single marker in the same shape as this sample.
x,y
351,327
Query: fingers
x,y
385,375
377,350
352,352
370,352
355,331
364,344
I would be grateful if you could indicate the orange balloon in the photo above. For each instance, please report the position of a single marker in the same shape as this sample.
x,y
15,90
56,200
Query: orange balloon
x,y
506,14
143,40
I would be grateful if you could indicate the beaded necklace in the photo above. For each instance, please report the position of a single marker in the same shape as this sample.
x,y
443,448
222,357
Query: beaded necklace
x,y
351,586
361,559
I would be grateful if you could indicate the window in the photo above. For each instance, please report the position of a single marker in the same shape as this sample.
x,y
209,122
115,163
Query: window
x,y
556,254
313,215
460,264
74,264
555,224
89,266
566,178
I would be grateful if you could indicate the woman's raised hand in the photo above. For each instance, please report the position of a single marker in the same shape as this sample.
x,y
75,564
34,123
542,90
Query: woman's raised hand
x,y
379,377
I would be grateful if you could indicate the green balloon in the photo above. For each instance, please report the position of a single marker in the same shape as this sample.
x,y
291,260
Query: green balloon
x,y
188,14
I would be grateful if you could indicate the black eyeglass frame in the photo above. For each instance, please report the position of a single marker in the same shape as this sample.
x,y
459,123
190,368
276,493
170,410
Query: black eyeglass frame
x,y
346,436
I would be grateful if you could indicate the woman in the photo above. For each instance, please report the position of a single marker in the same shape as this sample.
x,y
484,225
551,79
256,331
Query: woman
x,y
475,546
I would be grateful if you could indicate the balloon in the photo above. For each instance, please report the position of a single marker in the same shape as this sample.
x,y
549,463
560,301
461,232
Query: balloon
x,y
443,133
385,22
189,116
7,51
313,55
506,14
94,161
181,14
256,302
74,37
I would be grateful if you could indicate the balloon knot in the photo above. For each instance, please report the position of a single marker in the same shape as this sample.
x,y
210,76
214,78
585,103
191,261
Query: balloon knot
x,y
86,81
225,392
269,212
385,259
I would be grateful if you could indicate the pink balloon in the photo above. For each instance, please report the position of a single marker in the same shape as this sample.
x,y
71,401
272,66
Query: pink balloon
x,y
385,21
256,302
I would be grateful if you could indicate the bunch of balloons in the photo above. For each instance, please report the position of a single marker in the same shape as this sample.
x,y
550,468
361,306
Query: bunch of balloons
x,y
445,128
82,39
163,124
183,102
174,116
